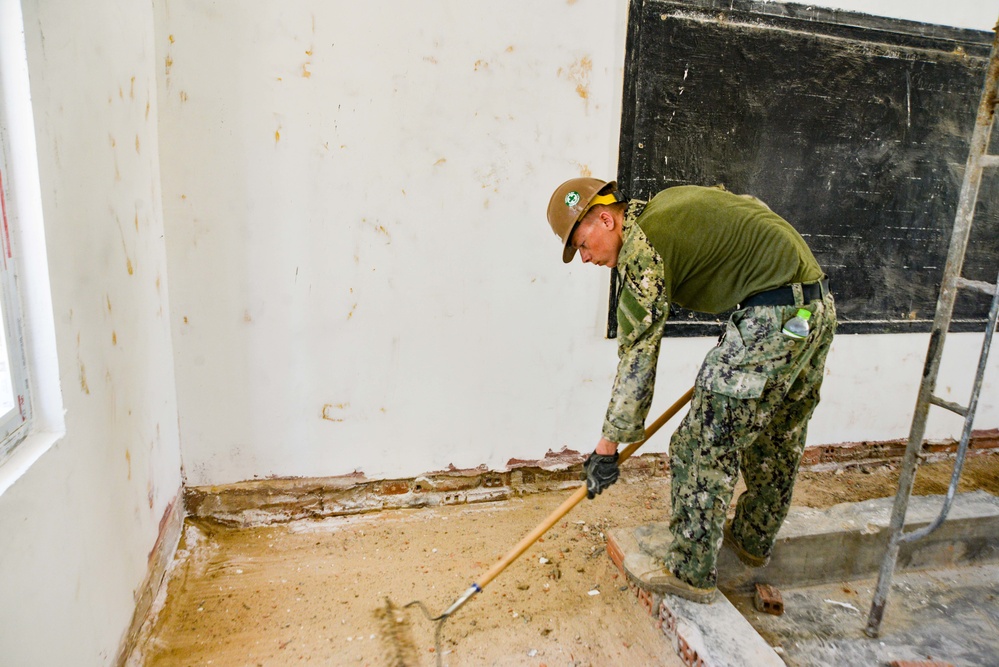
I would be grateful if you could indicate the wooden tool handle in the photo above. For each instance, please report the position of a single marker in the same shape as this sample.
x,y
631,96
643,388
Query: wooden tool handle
x,y
577,496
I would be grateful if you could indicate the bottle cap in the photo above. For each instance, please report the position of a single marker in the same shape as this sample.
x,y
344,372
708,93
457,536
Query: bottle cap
x,y
804,314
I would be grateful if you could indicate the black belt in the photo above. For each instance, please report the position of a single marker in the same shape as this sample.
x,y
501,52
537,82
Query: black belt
x,y
784,296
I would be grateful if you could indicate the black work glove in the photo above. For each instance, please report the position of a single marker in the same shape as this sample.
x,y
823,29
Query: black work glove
x,y
601,471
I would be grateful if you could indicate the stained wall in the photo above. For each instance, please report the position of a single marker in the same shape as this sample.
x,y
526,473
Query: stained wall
x,y
308,239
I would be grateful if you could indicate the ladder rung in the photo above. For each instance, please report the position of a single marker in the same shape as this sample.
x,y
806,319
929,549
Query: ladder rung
x,y
953,407
989,161
979,285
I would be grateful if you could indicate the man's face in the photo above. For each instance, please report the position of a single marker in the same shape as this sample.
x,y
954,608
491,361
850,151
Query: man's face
x,y
598,240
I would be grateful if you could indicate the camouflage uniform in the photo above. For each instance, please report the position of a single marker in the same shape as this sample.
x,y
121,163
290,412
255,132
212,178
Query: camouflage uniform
x,y
752,401
753,397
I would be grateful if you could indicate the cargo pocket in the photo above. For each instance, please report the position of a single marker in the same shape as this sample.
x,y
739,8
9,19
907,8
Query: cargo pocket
x,y
737,384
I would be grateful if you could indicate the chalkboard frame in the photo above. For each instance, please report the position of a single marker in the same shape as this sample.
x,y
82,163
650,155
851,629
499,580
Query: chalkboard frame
x,y
888,48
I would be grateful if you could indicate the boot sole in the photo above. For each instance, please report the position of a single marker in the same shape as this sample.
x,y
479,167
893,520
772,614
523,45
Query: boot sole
x,y
668,584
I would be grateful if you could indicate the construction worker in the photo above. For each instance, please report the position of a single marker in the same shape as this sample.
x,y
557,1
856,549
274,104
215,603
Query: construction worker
x,y
707,250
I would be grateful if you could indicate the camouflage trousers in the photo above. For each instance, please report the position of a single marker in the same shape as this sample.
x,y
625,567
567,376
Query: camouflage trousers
x,y
752,401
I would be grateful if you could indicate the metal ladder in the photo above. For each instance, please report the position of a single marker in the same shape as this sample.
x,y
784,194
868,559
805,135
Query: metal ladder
x,y
952,281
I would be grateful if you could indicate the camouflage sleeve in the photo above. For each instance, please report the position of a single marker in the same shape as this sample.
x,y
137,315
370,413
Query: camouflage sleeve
x,y
641,314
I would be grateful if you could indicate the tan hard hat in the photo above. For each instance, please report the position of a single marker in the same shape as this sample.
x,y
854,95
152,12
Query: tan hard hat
x,y
571,201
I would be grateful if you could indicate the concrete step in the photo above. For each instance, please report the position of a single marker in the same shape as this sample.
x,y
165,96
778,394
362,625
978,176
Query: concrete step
x,y
703,635
842,543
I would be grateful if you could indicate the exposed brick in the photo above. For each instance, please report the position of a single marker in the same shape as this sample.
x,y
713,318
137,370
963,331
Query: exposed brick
x,y
393,488
769,600
615,553
647,600
670,628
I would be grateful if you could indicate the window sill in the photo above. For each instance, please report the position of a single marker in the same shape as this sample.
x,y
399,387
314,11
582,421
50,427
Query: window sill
x,y
24,456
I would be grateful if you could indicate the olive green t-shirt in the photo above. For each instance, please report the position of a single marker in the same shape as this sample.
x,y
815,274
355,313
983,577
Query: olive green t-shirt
x,y
719,248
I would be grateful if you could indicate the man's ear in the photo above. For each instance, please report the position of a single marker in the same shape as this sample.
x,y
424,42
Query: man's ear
x,y
607,219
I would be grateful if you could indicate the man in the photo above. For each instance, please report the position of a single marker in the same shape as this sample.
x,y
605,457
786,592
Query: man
x,y
708,250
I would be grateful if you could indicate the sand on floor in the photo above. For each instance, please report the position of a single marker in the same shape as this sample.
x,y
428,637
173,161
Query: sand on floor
x,y
318,591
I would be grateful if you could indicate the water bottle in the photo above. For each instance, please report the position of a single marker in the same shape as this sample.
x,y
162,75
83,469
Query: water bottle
x,y
797,326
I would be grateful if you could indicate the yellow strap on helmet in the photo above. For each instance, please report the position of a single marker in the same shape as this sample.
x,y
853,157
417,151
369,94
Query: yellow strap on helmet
x,y
603,199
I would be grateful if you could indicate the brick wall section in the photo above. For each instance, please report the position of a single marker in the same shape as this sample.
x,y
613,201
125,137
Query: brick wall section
x,y
288,499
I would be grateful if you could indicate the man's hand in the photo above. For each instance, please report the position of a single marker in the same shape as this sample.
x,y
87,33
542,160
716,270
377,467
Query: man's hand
x,y
601,471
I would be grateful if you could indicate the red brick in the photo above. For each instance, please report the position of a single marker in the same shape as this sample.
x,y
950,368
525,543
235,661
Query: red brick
x,y
393,488
769,600
615,553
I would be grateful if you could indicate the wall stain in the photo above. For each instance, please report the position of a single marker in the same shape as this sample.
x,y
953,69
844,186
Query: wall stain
x,y
183,96
131,89
246,316
328,416
169,64
352,309
481,64
437,164
83,378
579,74
108,299
128,460
138,150
124,247
114,337
277,135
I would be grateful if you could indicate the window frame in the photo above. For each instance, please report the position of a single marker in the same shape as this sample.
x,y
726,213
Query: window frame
x,y
15,424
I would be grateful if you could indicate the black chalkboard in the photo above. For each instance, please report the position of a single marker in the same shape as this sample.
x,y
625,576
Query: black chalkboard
x,y
853,128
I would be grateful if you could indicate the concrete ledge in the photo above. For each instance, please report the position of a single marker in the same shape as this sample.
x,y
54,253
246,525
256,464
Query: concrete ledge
x,y
714,635
845,542
848,541
842,543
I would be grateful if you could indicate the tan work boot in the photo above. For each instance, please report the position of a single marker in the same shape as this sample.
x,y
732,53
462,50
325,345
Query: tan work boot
x,y
747,558
662,581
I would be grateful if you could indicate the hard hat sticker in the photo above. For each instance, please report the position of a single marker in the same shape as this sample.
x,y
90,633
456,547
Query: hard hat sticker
x,y
572,198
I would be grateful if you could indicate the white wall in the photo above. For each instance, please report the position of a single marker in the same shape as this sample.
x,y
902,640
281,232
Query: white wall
x,y
352,223
361,274
78,523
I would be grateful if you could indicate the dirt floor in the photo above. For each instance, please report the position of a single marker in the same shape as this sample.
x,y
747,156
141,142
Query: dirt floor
x,y
318,591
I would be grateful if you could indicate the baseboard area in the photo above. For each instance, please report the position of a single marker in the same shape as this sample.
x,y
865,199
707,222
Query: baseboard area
x,y
288,499
171,527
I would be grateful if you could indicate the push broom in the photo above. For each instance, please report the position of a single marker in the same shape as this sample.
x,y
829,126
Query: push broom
x,y
540,530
